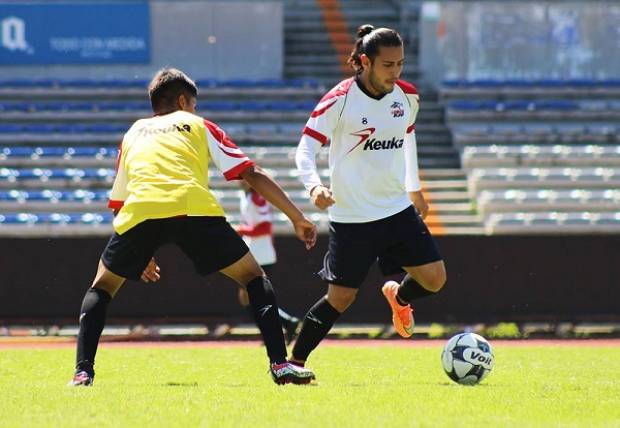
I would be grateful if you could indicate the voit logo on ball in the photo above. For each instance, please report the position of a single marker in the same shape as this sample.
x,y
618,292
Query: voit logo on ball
x,y
13,35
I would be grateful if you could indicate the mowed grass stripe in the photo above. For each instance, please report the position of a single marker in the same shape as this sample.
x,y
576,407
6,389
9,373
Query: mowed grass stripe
x,y
358,386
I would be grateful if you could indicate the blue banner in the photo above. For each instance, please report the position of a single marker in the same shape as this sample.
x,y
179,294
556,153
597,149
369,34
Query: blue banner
x,y
74,33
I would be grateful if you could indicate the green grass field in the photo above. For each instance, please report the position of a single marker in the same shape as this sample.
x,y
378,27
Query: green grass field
x,y
358,386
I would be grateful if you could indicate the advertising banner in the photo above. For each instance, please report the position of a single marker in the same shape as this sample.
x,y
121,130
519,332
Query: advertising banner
x,y
74,33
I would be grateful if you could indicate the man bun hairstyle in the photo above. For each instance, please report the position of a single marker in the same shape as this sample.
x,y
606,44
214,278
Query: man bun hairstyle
x,y
369,40
166,87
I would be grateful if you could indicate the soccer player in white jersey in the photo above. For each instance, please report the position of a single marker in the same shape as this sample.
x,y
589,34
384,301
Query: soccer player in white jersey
x,y
375,203
256,230
161,195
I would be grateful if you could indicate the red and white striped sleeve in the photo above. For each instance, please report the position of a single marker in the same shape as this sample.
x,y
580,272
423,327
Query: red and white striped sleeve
x,y
119,192
324,117
225,154
318,132
413,98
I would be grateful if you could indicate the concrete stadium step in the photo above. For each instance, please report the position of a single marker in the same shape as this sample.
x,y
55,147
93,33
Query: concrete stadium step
x,y
311,50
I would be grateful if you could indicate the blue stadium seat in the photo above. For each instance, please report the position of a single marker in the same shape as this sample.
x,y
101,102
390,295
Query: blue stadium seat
x,y
465,105
517,105
20,218
217,106
252,105
291,128
13,195
66,128
261,128
28,83
40,128
564,105
240,83
49,151
17,151
9,128
206,83
488,83
55,218
111,106
614,104
15,107
306,105
105,128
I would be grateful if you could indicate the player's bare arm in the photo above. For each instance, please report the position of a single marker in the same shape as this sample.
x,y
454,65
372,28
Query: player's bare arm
x,y
270,190
418,201
321,197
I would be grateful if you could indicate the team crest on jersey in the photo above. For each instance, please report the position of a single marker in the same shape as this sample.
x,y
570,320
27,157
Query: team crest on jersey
x,y
397,109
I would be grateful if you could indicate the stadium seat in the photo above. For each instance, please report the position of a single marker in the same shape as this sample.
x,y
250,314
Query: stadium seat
x,y
10,128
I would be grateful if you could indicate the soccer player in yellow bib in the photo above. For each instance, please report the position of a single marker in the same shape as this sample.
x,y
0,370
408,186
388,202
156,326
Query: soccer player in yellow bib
x,y
161,195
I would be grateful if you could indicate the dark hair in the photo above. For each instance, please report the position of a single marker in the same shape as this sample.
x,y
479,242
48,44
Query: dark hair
x,y
368,42
166,87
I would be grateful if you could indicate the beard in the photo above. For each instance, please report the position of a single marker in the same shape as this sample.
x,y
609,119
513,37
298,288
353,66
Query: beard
x,y
381,87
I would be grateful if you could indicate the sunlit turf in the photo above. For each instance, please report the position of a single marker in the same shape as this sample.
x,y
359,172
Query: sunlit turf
x,y
361,386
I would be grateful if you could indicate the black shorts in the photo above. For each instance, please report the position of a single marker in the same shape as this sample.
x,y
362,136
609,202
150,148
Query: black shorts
x,y
210,242
396,241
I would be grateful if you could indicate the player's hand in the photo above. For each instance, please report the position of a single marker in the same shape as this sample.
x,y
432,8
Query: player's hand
x,y
417,198
305,231
151,272
321,197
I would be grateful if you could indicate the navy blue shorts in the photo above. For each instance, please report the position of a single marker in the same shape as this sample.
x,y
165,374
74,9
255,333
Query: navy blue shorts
x,y
210,242
396,241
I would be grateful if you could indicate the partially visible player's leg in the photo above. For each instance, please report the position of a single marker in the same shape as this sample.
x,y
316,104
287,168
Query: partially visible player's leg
x,y
289,322
320,319
125,256
228,254
422,281
416,251
351,252
92,321
248,274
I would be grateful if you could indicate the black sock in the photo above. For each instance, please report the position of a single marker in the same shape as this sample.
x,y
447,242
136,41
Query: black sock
x,y
92,320
411,290
317,323
285,318
263,302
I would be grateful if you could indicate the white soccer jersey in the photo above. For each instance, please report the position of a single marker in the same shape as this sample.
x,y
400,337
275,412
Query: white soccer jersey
x,y
256,227
372,153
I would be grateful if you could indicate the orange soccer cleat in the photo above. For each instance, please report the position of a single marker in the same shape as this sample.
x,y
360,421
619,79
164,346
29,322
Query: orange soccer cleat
x,y
402,316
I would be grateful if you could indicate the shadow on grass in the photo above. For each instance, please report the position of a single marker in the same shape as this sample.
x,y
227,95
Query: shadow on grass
x,y
185,384
457,385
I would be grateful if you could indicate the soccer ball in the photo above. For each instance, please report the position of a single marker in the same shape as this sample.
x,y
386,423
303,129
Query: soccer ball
x,y
467,358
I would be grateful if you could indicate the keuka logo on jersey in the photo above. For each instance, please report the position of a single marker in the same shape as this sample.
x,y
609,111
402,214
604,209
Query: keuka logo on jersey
x,y
364,134
397,109
150,130
374,144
